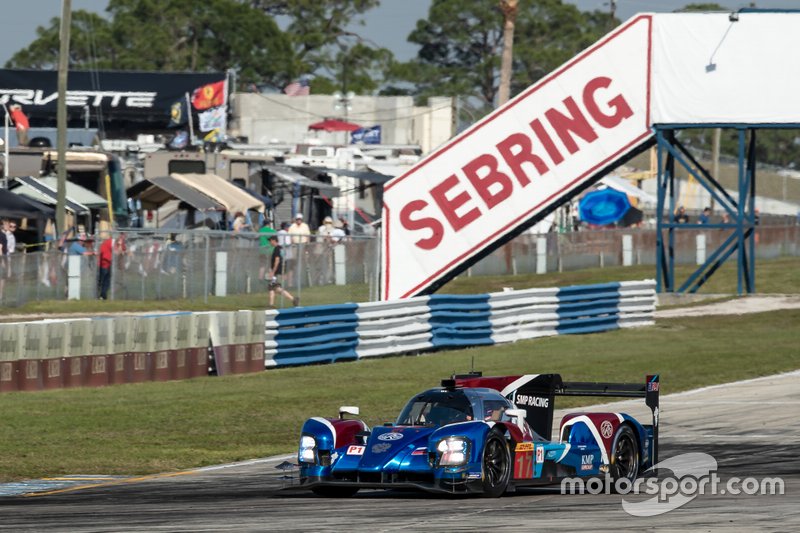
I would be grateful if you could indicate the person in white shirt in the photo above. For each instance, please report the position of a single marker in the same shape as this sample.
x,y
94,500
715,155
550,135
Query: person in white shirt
x,y
324,251
9,227
325,230
299,231
8,243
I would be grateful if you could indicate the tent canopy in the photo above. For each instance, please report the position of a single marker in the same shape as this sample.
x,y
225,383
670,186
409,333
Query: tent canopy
x,y
80,194
222,191
603,207
35,189
292,176
155,192
332,124
17,206
78,199
364,175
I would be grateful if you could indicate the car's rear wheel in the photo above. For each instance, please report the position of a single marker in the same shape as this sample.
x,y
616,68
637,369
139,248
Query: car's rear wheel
x,y
335,492
496,466
624,455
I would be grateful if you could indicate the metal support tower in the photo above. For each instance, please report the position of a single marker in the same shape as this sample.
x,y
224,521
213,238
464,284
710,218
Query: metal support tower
x,y
741,212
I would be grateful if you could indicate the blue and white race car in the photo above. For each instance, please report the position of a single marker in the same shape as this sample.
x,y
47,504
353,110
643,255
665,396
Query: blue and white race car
x,y
485,435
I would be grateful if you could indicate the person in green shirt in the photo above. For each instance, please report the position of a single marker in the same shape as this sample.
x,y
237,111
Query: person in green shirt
x,y
265,248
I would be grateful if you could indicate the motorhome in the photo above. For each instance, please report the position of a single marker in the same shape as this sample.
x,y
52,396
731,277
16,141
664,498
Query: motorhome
x,y
95,170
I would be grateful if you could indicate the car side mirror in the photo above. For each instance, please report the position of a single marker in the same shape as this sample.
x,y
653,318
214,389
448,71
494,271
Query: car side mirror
x,y
348,410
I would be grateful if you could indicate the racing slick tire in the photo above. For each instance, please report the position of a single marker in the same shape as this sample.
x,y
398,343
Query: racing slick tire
x,y
335,492
624,456
496,466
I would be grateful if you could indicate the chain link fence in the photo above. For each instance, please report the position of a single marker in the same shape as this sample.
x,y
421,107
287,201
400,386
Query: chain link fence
x,y
199,264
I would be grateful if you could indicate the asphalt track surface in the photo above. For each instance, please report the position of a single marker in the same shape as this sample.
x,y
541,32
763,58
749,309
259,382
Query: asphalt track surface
x,y
751,428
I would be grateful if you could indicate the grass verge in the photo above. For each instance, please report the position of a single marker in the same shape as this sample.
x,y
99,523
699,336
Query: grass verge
x,y
157,427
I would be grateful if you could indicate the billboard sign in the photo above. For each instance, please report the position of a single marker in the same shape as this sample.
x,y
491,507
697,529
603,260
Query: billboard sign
x,y
503,174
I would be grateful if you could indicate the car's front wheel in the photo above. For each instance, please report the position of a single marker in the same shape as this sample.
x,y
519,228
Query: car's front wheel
x,y
496,466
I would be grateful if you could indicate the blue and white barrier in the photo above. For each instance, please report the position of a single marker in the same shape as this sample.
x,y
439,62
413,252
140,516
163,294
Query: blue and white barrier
x,y
130,349
330,333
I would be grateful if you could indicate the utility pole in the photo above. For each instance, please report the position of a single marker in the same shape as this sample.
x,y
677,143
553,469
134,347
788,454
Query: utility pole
x,y
63,68
509,8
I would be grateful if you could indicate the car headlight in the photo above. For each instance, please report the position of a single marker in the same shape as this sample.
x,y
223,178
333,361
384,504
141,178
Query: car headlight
x,y
307,446
454,450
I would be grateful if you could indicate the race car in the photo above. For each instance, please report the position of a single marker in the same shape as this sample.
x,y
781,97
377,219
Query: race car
x,y
485,435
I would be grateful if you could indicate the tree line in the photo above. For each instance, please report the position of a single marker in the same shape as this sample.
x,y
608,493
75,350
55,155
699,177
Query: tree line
x,y
460,45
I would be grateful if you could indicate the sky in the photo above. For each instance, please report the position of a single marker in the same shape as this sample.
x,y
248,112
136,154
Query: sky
x,y
388,25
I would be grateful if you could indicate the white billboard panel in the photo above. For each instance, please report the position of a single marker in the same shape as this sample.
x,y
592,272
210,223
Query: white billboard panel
x,y
517,161
710,69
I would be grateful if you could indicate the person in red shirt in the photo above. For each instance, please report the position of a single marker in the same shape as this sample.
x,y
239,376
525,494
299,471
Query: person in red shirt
x,y
104,260
20,123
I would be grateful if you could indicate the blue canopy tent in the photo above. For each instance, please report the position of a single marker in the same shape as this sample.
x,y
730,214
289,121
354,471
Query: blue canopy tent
x,y
603,207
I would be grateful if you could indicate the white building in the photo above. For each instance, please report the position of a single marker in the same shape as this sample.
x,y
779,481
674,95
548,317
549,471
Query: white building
x,y
278,118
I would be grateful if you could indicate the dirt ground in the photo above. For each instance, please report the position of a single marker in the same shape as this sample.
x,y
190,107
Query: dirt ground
x,y
735,306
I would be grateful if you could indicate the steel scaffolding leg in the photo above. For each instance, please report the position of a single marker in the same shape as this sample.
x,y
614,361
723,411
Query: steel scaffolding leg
x,y
741,213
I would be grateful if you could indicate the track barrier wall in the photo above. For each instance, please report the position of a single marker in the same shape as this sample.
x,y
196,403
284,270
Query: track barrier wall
x,y
85,352
331,333
97,352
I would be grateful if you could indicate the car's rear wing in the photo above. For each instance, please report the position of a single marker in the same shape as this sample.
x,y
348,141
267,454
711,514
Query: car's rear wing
x,y
535,393
649,391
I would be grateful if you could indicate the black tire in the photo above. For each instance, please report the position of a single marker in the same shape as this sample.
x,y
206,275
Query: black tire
x,y
624,455
496,466
335,492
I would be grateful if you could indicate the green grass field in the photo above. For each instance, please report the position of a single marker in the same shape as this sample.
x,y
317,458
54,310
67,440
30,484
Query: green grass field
x,y
158,427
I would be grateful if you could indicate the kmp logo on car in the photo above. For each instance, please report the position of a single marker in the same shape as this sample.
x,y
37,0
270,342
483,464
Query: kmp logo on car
x,y
391,436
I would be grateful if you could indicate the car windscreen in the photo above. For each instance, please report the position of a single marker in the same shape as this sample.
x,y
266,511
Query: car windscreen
x,y
436,408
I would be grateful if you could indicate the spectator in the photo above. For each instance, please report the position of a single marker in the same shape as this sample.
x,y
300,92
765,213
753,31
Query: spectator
x,y
338,235
285,240
325,230
680,216
345,227
20,123
299,231
283,234
171,257
300,235
9,227
47,268
80,246
105,258
276,273
265,248
705,216
324,251
240,222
